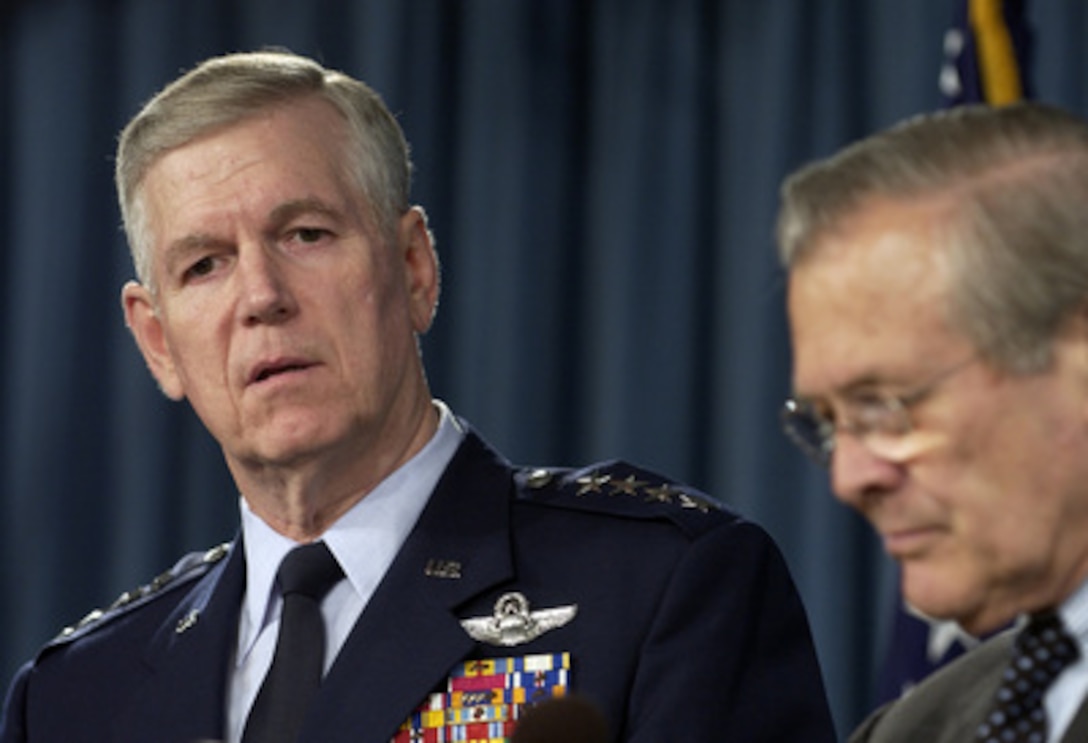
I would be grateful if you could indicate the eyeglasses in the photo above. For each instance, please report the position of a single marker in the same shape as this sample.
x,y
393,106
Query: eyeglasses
x,y
878,419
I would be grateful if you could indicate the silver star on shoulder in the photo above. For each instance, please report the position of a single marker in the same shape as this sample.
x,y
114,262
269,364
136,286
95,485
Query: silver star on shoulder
x,y
513,623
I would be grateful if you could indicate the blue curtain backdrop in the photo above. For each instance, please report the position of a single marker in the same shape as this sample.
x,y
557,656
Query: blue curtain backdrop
x,y
601,176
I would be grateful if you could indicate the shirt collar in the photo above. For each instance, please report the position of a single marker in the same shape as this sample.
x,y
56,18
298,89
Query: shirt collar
x,y
364,540
1074,613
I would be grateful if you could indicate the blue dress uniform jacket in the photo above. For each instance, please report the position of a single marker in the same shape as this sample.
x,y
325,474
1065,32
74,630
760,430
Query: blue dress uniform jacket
x,y
686,625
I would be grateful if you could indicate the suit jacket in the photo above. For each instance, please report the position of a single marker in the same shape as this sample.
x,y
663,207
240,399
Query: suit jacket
x,y
687,625
948,706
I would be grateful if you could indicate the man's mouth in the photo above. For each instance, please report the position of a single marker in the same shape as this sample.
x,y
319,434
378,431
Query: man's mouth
x,y
908,541
266,371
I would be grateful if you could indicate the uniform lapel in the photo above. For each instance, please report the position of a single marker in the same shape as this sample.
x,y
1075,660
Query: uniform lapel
x,y
409,636
182,698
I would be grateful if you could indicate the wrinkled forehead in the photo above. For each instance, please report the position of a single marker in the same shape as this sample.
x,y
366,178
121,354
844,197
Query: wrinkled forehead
x,y
870,298
252,168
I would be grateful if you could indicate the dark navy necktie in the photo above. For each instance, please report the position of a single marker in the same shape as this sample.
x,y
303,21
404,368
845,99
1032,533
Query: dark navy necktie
x,y
306,574
1041,651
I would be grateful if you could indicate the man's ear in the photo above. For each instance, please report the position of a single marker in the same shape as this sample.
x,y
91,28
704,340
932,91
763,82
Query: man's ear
x,y
146,326
421,267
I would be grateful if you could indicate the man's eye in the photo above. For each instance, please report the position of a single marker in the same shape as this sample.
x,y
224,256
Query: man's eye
x,y
309,234
866,400
872,410
202,267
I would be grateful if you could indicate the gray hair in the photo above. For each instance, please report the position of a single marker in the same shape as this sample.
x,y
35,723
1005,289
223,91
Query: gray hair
x,y
226,90
1018,240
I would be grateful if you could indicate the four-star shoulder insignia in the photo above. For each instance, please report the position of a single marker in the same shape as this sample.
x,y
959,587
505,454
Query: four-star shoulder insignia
x,y
190,565
606,481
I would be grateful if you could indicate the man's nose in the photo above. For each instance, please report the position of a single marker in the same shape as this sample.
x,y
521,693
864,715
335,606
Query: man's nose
x,y
265,295
857,471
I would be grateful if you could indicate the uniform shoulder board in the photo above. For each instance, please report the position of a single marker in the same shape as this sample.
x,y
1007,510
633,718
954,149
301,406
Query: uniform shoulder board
x,y
189,567
621,488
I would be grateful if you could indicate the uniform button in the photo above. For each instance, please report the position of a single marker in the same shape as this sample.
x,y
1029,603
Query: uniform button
x,y
538,478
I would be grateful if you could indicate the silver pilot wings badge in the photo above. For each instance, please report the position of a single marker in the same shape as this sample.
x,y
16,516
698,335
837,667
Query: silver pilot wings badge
x,y
512,623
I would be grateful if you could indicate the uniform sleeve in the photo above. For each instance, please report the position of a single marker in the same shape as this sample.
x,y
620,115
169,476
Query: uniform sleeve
x,y
13,716
730,655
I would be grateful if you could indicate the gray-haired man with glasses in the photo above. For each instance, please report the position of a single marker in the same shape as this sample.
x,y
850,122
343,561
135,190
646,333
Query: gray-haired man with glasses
x,y
938,304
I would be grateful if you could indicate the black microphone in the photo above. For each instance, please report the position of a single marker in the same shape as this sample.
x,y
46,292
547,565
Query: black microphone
x,y
567,719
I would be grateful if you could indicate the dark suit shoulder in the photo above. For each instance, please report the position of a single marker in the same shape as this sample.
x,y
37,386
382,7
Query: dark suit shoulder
x,y
622,489
947,705
187,569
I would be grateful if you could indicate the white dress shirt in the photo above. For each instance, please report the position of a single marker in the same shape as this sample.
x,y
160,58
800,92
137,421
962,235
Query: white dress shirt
x,y
364,541
1067,693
